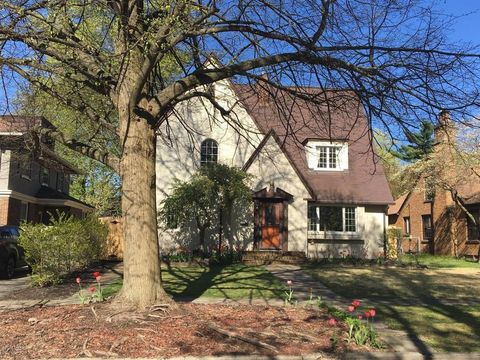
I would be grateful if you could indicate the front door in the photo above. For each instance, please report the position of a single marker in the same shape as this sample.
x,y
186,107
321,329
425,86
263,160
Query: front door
x,y
271,220
270,225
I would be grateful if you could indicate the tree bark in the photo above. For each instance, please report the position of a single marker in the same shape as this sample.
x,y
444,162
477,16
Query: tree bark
x,y
142,282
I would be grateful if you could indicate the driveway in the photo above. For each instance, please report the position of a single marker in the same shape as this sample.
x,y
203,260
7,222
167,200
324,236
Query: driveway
x,y
20,281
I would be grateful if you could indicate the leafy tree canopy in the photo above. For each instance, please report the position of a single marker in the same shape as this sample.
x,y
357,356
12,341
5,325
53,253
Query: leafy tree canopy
x,y
209,195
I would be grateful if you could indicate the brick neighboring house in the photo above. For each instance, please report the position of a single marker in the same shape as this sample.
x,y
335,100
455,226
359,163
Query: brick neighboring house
x,y
32,185
430,220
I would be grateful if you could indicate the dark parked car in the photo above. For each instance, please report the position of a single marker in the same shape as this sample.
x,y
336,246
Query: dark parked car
x,y
11,254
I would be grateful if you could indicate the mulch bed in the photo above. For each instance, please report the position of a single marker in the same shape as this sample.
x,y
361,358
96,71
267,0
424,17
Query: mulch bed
x,y
192,329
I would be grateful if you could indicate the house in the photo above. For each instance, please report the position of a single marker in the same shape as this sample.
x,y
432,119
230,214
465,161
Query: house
x,y
34,181
317,185
429,217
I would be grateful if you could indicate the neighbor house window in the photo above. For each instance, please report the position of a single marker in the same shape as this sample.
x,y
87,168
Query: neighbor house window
x,y
208,152
474,228
331,218
406,225
24,211
60,181
427,227
25,166
44,176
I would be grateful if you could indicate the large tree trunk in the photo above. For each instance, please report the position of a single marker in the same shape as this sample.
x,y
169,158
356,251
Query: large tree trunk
x,y
142,282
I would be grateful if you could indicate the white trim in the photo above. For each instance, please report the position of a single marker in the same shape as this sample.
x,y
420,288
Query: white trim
x,y
51,202
26,177
312,150
11,133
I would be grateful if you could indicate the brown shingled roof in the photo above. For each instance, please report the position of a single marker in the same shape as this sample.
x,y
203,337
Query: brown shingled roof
x,y
329,115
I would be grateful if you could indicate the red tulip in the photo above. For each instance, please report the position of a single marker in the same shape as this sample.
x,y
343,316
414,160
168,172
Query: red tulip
x,y
332,322
289,282
92,289
360,317
98,278
96,274
373,312
356,303
78,280
367,314
351,308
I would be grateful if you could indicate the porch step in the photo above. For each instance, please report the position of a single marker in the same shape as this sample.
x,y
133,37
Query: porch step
x,y
267,257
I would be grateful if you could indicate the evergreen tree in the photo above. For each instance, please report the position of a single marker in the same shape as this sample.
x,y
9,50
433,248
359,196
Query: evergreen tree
x,y
420,143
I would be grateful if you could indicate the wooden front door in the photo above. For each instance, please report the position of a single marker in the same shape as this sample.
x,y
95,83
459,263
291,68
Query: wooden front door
x,y
270,226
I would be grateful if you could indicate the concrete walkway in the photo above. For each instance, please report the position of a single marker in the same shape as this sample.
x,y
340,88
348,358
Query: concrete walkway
x,y
20,281
303,285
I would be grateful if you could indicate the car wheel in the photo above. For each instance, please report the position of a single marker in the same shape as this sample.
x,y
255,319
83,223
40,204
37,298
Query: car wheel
x,y
9,269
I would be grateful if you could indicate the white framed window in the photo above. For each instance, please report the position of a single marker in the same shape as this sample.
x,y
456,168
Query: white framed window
x,y
26,169
24,211
44,176
327,155
332,218
208,152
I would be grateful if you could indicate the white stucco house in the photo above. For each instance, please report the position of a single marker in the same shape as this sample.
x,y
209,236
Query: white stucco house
x,y
317,186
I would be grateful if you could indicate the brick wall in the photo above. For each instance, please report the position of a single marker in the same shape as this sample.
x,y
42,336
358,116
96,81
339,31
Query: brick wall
x,y
4,211
414,208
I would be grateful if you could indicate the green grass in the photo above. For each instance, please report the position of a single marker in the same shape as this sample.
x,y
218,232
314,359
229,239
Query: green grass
x,y
430,322
397,283
437,261
444,328
233,282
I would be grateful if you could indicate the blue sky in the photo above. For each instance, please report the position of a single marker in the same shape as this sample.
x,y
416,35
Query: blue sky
x,y
465,28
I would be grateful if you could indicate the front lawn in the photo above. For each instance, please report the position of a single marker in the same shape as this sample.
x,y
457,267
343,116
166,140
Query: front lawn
x,y
418,301
438,261
459,284
233,282
443,328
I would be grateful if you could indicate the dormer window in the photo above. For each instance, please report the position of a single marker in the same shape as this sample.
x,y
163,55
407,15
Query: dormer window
x,y
327,155
208,152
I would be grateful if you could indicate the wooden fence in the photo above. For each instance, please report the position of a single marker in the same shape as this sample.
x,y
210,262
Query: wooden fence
x,y
114,247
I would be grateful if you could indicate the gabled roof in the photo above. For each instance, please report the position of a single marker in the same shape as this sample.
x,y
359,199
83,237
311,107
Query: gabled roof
x,y
258,150
327,115
398,205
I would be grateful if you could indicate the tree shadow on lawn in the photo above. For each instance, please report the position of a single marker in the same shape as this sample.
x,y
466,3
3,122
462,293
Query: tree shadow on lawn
x,y
421,319
419,304
227,282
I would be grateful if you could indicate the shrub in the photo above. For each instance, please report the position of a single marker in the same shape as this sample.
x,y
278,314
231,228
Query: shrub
x,y
225,258
67,245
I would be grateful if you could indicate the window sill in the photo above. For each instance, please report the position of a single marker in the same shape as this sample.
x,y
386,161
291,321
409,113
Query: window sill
x,y
328,169
333,235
